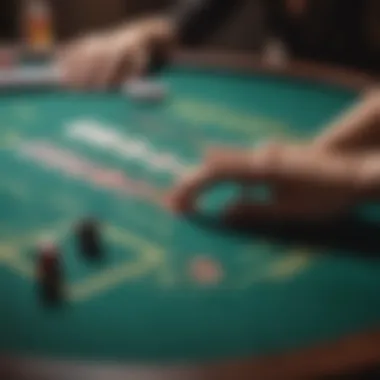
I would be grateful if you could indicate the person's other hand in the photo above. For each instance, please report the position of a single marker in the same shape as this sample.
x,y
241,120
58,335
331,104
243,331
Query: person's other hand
x,y
305,184
104,60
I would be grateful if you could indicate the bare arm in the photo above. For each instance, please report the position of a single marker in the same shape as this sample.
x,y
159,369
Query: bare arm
x,y
369,177
357,129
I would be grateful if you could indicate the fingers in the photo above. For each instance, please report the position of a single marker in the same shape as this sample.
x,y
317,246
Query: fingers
x,y
305,183
80,62
121,64
101,62
109,71
224,166
184,197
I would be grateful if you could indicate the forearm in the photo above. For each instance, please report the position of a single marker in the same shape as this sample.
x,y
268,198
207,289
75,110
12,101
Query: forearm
x,y
358,128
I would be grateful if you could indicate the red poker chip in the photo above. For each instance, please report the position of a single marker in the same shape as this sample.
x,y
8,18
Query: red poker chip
x,y
48,250
206,271
48,255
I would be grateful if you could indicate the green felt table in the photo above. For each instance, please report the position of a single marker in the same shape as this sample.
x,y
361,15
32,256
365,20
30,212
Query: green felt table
x,y
170,290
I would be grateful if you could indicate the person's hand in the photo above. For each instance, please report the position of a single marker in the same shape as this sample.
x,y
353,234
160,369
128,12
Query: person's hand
x,y
305,183
103,60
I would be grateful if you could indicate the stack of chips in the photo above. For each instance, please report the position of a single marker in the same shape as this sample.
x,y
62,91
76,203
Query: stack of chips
x,y
50,274
88,238
50,266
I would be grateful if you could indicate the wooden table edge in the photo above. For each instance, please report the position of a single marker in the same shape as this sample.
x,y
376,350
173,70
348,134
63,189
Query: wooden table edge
x,y
344,77
348,354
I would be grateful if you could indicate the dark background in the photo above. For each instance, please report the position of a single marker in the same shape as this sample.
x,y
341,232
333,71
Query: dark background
x,y
343,32
73,17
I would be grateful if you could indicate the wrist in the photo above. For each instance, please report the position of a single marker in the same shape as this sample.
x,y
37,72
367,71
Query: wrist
x,y
368,179
356,130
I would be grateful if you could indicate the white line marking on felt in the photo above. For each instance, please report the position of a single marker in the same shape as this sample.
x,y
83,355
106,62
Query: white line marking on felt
x,y
289,266
265,268
53,157
130,147
9,139
9,257
21,267
149,256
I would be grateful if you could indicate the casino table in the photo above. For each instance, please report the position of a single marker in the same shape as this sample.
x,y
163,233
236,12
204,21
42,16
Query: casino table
x,y
174,297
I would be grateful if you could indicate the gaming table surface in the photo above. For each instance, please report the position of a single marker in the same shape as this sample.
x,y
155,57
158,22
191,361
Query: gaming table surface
x,y
170,291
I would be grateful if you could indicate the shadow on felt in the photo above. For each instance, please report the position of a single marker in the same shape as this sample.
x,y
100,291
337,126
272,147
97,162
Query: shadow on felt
x,y
347,236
